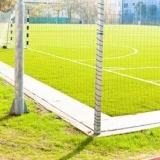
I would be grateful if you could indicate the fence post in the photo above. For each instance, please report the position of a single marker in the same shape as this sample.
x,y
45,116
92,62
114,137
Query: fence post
x,y
99,59
18,106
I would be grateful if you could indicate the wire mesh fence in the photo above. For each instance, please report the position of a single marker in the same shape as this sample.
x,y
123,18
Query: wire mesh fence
x,y
131,69
73,48
6,99
58,58
62,54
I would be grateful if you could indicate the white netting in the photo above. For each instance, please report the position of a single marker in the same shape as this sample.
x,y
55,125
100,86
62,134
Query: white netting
x,y
7,29
5,19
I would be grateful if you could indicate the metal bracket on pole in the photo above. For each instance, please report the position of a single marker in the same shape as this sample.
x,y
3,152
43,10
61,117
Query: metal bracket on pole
x,y
99,59
18,106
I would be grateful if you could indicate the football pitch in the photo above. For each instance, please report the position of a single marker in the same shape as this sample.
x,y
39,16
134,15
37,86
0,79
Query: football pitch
x,y
64,57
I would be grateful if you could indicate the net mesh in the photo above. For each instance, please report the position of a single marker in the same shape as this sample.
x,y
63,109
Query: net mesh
x,y
59,47
4,27
62,54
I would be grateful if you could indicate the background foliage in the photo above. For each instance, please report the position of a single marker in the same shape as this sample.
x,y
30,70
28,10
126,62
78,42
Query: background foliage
x,y
6,5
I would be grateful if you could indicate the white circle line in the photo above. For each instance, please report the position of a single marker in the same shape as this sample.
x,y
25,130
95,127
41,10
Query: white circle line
x,y
128,55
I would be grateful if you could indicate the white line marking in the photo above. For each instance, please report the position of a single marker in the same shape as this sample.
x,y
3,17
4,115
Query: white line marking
x,y
132,77
155,80
128,55
106,70
112,68
120,69
66,59
135,51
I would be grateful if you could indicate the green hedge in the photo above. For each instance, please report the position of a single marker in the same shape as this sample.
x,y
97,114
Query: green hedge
x,y
49,20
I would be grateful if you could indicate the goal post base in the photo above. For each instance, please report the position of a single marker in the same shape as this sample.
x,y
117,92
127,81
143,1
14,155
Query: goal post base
x,y
18,107
4,47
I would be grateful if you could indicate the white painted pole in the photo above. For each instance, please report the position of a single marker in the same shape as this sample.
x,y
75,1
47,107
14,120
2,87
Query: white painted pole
x,y
27,29
99,59
18,106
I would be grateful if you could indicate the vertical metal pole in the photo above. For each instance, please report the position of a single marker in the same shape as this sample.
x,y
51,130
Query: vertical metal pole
x,y
19,106
99,59
27,28
9,32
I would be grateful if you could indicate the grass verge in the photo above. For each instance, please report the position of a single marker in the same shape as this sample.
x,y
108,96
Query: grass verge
x,y
42,135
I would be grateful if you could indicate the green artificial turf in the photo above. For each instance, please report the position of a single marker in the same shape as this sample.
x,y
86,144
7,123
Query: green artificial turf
x,y
63,56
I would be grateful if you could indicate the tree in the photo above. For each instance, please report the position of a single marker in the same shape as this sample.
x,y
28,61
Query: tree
x,y
151,12
6,5
87,10
57,7
70,6
37,9
140,9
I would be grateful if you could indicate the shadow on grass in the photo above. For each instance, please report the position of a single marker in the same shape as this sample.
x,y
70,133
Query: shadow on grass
x,y
6,117
78,149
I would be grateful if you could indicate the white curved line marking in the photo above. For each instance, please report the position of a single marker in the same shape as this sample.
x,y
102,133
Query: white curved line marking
x,y
134,49
128,55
